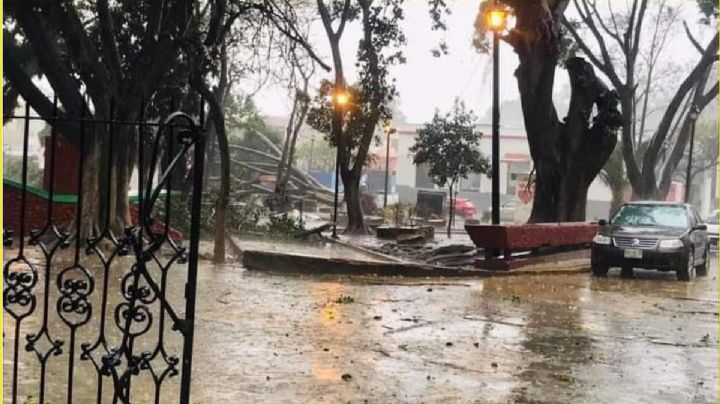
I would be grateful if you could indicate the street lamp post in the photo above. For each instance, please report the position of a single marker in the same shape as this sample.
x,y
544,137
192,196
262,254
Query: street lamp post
x,y
496,22
694,112
389,129
340,99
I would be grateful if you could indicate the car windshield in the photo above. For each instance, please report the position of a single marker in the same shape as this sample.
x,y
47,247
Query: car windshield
x,y
651,216
713,219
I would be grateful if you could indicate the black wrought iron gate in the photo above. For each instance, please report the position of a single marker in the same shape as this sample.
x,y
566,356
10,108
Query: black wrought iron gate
x,y
107,317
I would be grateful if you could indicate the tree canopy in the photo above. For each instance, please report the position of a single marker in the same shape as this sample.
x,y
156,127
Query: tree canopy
x,y
450,145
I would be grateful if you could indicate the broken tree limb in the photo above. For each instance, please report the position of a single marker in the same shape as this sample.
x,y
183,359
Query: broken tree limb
x,y
270,157
299,182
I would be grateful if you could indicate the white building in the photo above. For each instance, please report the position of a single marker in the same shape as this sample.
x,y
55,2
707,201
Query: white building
x,y
406,179
515,168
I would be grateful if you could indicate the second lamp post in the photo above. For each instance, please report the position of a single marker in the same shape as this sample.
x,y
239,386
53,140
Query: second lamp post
x,y
340,100
389,130
496,22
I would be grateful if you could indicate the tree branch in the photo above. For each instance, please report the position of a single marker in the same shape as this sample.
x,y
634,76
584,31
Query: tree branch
x,y
84,53
613,34
692,39
107,36
49,59
709,57
638,30
23,83
606,64
709,96
376,100
700,101
343,18
291,32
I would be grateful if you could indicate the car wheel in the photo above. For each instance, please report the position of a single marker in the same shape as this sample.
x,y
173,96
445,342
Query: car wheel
x,y
702,269
599,269
687,273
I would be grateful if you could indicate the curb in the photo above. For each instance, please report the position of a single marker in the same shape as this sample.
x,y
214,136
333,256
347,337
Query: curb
x,y
278,262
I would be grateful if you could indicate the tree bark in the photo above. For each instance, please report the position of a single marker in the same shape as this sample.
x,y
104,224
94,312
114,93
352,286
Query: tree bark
x,y
567,155
286,145
355,222
217,116
284,169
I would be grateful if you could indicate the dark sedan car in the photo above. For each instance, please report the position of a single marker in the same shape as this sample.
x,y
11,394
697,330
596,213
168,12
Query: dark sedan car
x,y
652,235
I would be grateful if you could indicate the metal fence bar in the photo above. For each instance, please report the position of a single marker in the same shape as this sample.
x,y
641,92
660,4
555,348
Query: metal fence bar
x,y
191,286
74,284
48,239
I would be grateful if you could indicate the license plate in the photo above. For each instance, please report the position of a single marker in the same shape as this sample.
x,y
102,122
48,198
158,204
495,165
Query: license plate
x,y
633,253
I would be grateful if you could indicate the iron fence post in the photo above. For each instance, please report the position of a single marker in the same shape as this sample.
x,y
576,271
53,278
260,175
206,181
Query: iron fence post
x,y
191,286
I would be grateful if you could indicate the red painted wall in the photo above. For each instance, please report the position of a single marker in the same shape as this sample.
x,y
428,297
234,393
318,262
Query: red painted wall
x,y
35,212
66,166
63,214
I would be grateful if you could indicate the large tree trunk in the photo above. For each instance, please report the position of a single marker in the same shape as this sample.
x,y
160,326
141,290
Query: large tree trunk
x,y
617,201
355,221
216,114
89,221
123,164
567,155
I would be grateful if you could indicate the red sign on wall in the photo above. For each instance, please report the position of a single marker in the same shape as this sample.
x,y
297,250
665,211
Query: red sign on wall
x,y
525,192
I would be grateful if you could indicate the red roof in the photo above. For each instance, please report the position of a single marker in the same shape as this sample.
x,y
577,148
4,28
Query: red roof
x,y
516,157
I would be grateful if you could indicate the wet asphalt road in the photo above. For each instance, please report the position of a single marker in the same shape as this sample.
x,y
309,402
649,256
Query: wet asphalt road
x,y
264,338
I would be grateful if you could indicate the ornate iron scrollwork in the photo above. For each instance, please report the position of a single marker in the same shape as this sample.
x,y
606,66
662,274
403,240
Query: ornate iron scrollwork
x,y
81,287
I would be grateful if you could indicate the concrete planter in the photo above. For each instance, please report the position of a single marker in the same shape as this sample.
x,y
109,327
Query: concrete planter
x,y
531,236
392,233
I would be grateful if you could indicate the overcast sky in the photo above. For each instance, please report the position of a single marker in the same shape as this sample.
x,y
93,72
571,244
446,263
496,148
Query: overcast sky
x,y
426,83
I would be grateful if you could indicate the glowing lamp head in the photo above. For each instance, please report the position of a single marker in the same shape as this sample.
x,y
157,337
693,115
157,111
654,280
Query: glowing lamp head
x,y
342,98
496,19
389,129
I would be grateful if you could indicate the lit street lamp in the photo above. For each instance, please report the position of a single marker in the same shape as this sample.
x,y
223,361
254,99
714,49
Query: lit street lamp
x,y
389,129
496,19
341,98
693,115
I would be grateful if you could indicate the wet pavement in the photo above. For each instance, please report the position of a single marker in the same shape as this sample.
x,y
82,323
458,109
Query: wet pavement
x,y
270,338
552,339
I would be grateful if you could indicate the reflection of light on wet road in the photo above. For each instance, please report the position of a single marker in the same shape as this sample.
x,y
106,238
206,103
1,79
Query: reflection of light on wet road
x,y
329,329
324,371
325,296
329,315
